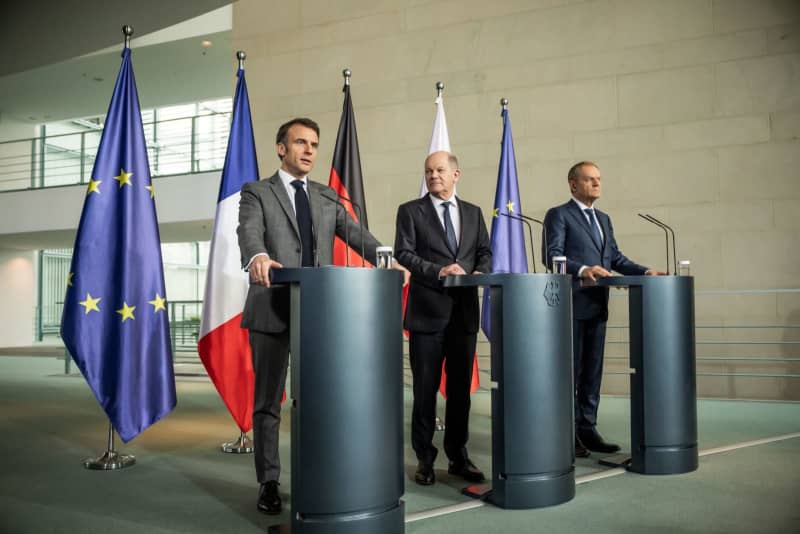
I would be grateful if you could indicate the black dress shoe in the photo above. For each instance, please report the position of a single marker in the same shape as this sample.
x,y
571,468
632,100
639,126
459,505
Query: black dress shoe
x,y
466,470
580,450
269,502
424,475
593,441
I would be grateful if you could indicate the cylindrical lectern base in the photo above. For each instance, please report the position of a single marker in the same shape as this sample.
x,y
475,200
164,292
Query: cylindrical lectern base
x,y
389,521
519,492
665,460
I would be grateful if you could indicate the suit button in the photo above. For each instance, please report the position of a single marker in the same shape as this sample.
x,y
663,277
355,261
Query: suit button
x,y
297,250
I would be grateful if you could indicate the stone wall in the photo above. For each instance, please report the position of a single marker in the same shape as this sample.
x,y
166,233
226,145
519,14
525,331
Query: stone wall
x,y
691,108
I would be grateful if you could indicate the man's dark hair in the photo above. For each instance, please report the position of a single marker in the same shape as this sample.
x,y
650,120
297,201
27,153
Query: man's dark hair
x,y
280,137
574,170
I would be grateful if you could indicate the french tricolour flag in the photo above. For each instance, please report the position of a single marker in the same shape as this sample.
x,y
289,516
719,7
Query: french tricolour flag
x,y
223,345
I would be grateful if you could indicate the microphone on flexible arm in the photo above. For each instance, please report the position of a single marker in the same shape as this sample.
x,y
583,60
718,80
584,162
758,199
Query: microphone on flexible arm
x,y
530,234
547,267
652,220
346,229
360,226
668,227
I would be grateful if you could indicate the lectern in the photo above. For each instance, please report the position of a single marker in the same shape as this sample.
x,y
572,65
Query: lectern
x,y
347,400
663,383
532,404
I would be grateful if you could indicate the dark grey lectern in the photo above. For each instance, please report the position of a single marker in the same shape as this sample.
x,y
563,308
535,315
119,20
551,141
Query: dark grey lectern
x,y
347,400
663,385
531,362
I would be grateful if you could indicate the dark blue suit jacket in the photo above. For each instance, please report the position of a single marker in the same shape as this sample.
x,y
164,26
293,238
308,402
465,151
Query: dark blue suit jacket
x,y
568,234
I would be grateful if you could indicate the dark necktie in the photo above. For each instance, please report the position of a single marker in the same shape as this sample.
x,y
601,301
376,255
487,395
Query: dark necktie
x,y
302,211
449,231
598,240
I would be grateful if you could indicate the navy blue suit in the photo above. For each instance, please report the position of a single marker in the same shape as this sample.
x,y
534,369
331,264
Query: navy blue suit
x,y
568,233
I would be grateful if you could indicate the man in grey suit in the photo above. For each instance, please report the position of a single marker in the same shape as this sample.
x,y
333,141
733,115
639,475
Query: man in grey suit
x,y
285,220
585,236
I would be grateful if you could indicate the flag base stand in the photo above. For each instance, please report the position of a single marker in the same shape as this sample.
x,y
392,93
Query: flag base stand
x,y
110,460
241,445
439,425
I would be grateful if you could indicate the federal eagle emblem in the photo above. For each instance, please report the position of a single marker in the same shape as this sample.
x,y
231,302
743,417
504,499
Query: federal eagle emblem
x,y
551,294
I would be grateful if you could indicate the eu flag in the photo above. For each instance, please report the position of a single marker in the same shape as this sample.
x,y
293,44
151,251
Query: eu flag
x,y
115,322
507,239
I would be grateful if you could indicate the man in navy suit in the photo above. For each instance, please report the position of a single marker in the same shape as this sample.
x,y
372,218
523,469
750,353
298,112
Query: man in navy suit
x,y
586,237
440,235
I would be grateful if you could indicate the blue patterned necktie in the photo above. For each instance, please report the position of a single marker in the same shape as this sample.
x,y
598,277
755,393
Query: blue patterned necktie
x,y
598,240
452,243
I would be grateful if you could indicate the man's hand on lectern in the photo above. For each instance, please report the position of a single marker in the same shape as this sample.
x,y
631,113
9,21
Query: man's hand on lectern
x,y
406,272
259,270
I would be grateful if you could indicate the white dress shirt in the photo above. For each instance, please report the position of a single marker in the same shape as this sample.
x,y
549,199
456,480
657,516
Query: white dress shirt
x,y
455,216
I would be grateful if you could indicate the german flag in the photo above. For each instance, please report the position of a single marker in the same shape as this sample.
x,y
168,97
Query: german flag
x,y
345,178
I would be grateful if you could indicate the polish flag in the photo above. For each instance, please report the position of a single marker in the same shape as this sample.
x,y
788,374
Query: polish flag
x,y
440,141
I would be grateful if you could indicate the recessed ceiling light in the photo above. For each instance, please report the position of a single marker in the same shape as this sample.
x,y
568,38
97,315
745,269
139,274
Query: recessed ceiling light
x,y
206,43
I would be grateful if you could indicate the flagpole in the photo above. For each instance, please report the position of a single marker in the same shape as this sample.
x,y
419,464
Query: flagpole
x,y
127,31
439,425
111,459
243,444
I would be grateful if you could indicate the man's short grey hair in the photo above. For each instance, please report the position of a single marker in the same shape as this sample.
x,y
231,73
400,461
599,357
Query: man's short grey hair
x,y
574,171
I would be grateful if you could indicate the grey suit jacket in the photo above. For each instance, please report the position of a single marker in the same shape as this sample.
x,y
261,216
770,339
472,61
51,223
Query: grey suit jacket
x,y
267,223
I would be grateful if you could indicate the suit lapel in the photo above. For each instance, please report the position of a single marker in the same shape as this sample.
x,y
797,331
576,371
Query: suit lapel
x,y
466,224
580,217
279,191
603,218
316,207
429,212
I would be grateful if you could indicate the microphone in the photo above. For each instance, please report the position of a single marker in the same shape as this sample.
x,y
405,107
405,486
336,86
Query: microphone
x,y
346,228
547,267
360,225
674,256
653,220
530,234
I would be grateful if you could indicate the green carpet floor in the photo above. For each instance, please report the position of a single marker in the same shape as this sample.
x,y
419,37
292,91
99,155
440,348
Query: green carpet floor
x,y
181,483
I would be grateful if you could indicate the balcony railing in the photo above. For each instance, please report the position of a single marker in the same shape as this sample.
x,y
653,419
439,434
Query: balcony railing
x,y
176,146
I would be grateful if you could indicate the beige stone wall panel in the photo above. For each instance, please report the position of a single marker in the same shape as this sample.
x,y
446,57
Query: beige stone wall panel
x,y
667,96
783,39
770,83
715,48
761,171
735,15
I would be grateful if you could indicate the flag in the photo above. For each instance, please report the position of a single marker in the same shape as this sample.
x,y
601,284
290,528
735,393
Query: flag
x,y
440,141
507,239
346,179
224,346
440,138
115,322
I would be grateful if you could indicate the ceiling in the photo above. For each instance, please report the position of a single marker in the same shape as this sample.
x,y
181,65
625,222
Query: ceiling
x,y
60,58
